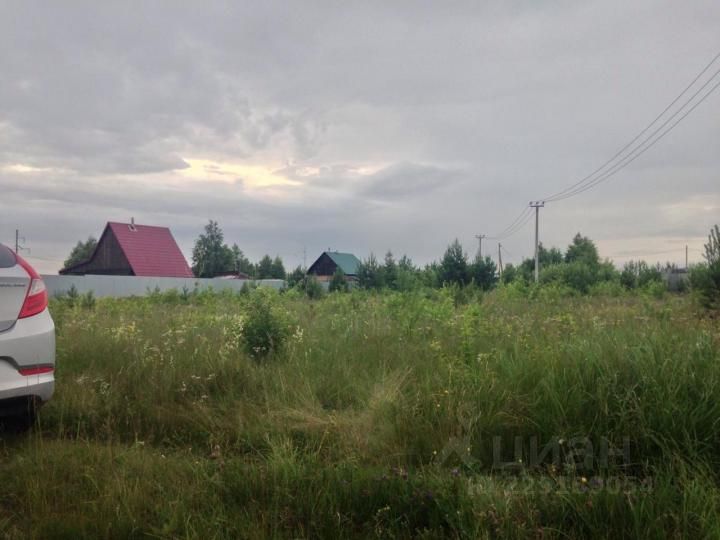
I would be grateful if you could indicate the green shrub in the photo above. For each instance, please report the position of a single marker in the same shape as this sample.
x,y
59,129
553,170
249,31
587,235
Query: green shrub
x,y
267,325
73,296
552,292
515,289
628,276
579,276
648,274
509,274
705,278
312,287
656,289
87,300
606,271
705,286
553,273
338,283
607,288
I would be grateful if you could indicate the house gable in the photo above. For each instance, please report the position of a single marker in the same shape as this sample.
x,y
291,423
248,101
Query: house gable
x,y
107,258
330,261
323,266
134,250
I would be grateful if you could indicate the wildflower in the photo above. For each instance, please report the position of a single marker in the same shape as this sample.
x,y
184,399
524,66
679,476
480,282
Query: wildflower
x,y
298,336
104,388
216,452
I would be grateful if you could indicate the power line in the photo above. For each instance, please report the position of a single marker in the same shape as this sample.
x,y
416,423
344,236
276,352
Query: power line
x,y
501,234
525,217
592,180
655,120
639,150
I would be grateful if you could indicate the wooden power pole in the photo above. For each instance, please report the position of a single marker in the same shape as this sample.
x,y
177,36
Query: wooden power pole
x,y
537,205
480,239
500,258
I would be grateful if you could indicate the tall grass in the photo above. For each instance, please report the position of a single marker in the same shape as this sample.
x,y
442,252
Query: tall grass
x,y
391,415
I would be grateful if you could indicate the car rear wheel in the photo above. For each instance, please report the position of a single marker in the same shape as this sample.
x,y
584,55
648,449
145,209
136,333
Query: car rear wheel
x,y
18,414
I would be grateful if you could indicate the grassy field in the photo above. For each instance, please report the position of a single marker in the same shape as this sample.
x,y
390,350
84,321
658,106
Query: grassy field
x,y
393,415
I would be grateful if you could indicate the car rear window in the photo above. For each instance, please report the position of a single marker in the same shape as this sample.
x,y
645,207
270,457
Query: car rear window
x,y
7,257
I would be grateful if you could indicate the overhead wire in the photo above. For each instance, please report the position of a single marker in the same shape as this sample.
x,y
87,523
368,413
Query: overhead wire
x,y
510,231
616,162
643,147
645,129
502,234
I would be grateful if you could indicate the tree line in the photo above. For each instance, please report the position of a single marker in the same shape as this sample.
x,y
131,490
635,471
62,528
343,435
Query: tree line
x,y
579,267
212,257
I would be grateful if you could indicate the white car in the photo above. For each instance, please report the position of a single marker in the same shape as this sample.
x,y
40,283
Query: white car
x,y
27,338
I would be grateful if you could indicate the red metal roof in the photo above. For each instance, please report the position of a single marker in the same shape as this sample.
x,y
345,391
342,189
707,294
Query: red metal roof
x,y
151,251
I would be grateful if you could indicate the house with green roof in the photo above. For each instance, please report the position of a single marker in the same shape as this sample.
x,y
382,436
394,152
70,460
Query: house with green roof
x,y
328,263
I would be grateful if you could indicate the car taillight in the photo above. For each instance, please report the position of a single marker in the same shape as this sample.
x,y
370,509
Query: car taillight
x,y
36,370
36,299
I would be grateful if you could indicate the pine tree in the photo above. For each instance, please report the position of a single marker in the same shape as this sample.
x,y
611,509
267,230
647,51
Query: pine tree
x,y
454,265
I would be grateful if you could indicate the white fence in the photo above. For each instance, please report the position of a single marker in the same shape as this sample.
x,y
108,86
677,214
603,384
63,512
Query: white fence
x,y
120,286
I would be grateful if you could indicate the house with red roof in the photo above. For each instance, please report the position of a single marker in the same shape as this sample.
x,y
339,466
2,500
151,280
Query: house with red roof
x,y
127,249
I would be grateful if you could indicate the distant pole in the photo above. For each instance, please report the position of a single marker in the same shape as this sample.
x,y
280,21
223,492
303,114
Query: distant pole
x,y
500,258
537,205
686,257
19,239
480,239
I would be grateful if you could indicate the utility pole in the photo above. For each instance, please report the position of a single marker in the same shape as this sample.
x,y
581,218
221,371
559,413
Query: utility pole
x,y
19,239
537,205
500,258
686,257
480,239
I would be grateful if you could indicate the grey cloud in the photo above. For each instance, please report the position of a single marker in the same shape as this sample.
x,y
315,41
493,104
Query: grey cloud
x,y
406,180
473,108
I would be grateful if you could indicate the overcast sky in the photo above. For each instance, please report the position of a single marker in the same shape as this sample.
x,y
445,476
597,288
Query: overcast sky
x,y
359,126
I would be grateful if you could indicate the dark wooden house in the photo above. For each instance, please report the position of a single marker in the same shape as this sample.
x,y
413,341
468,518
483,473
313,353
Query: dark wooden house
x,y
127,249
326,265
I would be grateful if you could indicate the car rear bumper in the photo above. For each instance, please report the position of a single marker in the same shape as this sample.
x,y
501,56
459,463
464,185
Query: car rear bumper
x,y
29,343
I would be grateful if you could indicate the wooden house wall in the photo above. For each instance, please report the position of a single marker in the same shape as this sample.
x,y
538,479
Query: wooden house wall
x,y
108,259
324,266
